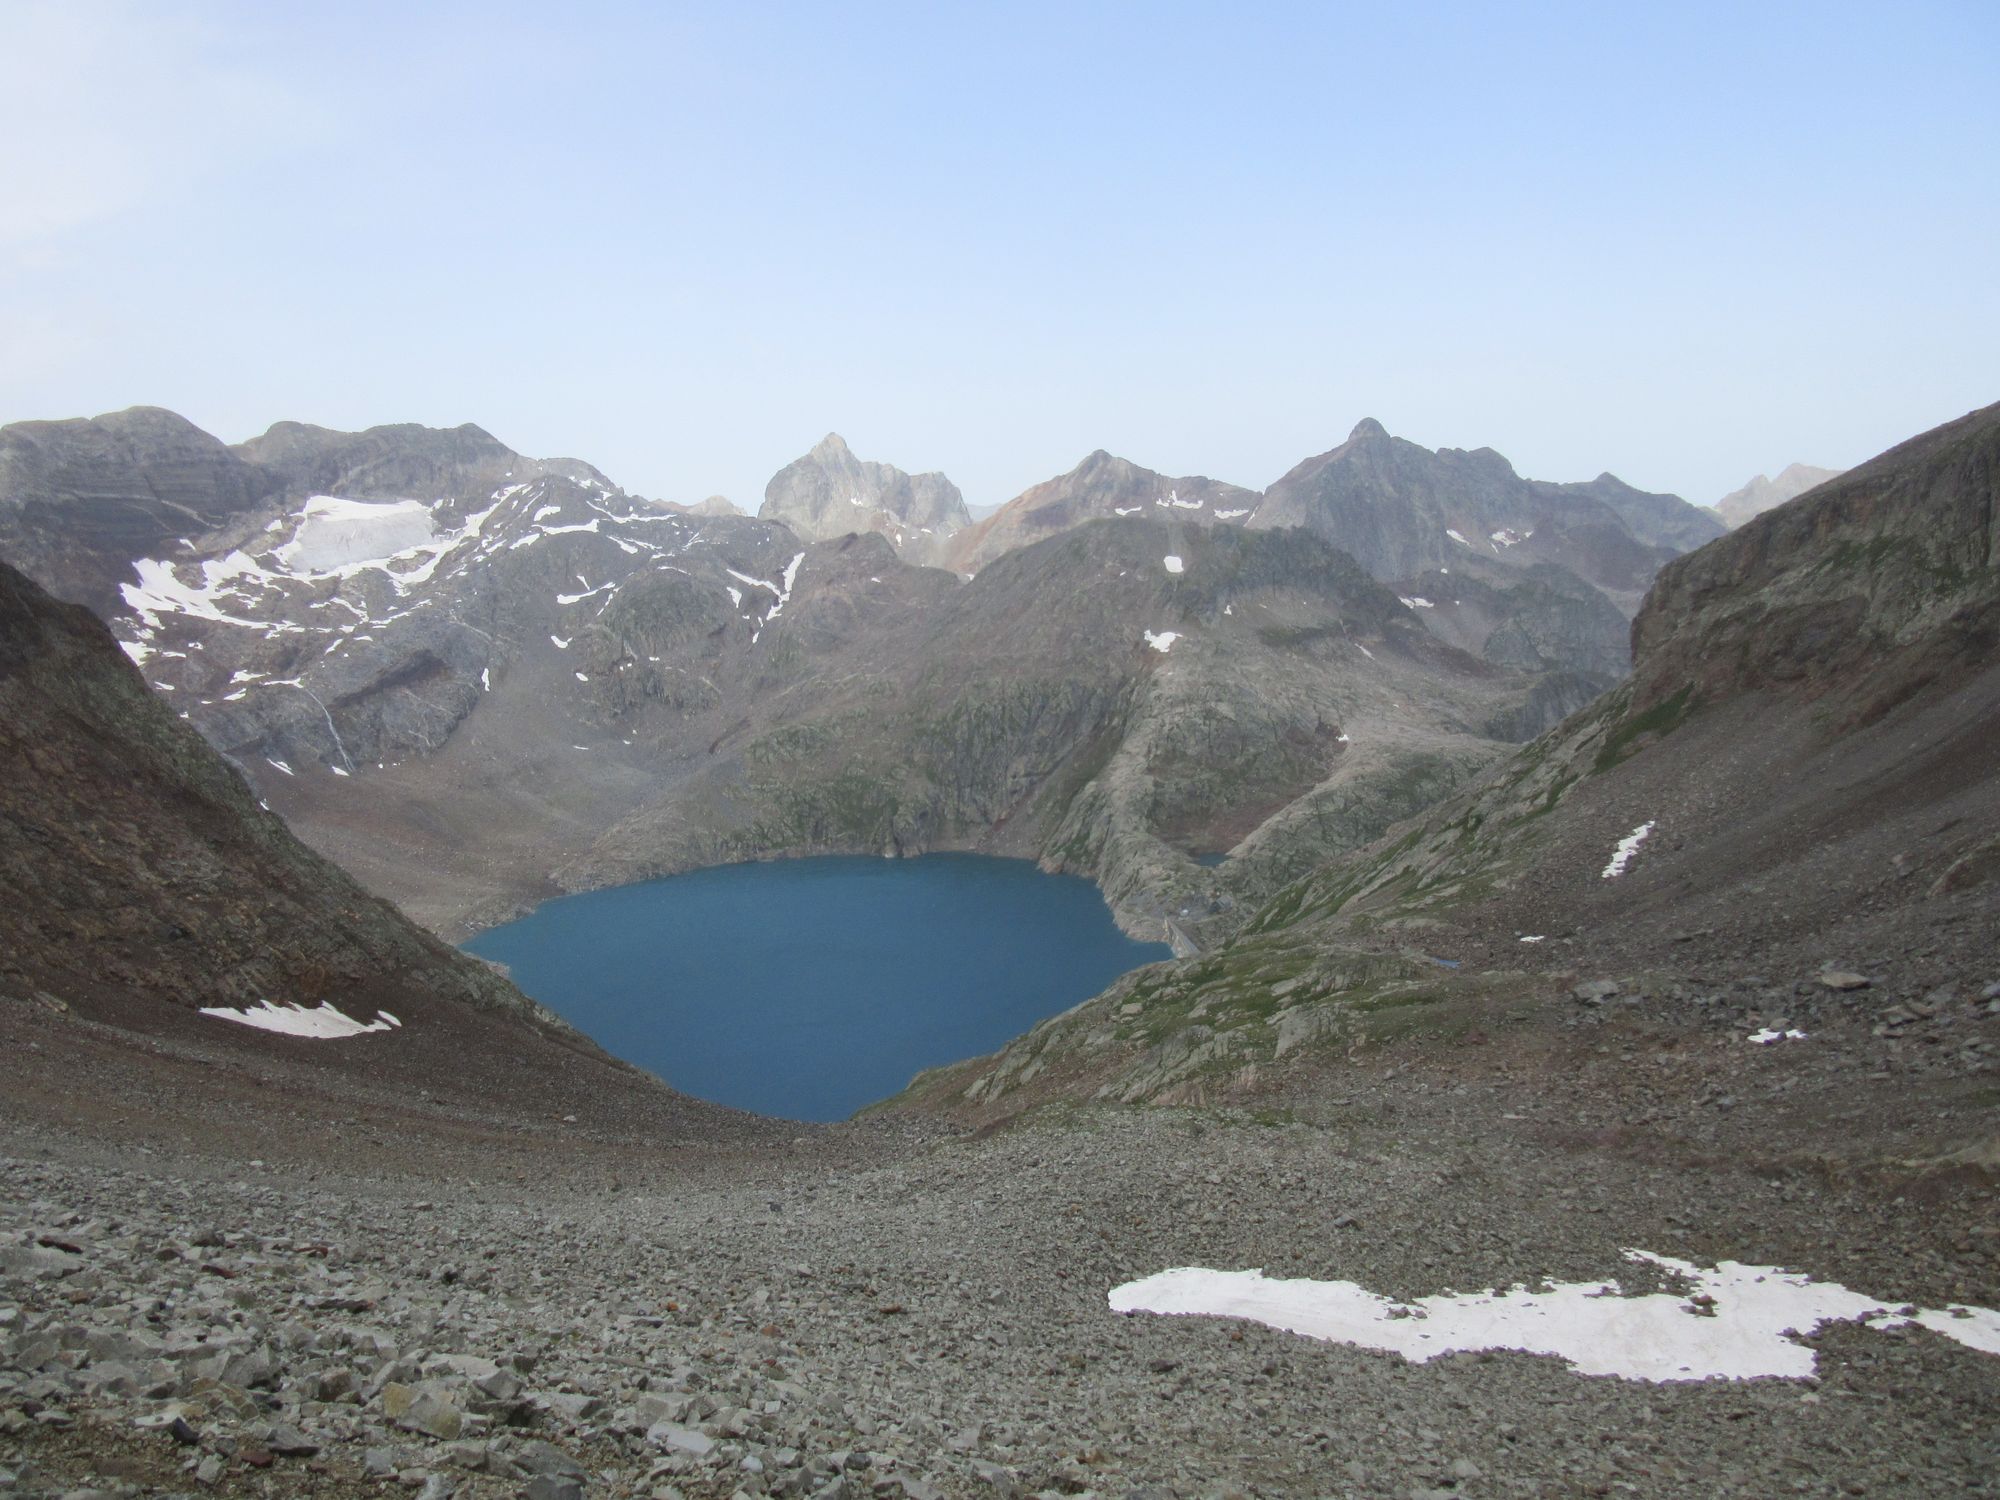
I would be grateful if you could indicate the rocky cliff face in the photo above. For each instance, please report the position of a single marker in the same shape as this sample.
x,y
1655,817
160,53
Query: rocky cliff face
x,y
831,493
1100,488
1762,494
80,499
1886,575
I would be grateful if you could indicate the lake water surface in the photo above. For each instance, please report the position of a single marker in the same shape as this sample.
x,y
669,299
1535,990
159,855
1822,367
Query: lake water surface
x,y
810,987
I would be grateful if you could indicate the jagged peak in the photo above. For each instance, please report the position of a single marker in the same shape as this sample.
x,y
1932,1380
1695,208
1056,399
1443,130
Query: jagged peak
x,y
1367,427
833,445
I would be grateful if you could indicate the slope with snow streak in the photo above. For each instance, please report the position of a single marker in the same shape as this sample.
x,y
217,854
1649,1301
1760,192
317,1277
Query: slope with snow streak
x,y
1738,1322
320,1023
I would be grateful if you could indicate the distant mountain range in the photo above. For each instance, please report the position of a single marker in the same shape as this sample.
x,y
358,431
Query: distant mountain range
x,y
1762,494
548,683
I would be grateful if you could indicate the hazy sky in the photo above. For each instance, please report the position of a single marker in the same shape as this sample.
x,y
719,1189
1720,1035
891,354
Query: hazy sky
x,y
1683,244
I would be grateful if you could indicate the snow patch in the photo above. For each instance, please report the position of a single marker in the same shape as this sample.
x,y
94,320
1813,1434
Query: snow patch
x,y
1174,564
1456,537
277,765
322,1023
1126,510
1535,938
1766,1036
1627,847
1162,640
1231,515
1739,1322
1417,602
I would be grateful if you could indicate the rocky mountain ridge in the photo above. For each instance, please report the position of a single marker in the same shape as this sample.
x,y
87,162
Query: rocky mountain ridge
x,y
1830,667
1099,488
533,681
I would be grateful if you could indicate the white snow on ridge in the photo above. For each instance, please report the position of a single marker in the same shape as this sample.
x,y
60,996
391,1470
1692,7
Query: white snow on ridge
x,y
1744,1325
323,1023
1162,641
1627,847
1230,515
1174,564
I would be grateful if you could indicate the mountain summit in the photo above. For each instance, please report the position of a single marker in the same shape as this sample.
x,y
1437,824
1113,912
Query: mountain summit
x,y
830,493
1762,494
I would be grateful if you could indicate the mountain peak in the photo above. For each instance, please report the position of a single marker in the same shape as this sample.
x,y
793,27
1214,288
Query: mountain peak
x,y
833,443
1367,427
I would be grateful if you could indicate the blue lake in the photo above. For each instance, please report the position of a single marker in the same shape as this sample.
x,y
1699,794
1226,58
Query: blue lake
x,y
810,987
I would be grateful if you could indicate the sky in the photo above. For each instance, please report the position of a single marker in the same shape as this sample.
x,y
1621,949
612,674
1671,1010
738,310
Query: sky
x,y
1682,243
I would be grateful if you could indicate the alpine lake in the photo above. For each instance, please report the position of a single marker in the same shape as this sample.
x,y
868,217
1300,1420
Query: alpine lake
x,y
808,988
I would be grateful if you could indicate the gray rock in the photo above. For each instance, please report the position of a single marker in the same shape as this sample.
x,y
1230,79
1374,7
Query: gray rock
x,y
677,1438
538,1457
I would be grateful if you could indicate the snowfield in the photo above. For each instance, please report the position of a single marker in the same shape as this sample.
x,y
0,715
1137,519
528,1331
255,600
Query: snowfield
x,y
334,533
1737,1322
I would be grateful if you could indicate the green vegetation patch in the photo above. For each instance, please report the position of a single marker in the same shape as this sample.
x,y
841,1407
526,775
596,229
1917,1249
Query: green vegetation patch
x,y
1662,719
